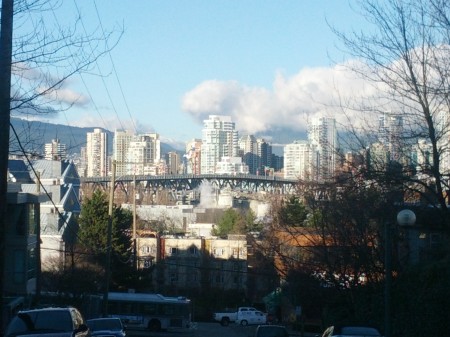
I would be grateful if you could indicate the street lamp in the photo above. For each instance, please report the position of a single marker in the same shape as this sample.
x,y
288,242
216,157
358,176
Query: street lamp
x,y
405,218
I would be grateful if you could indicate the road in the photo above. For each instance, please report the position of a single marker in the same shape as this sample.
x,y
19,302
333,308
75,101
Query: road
x,y
206,330
202,330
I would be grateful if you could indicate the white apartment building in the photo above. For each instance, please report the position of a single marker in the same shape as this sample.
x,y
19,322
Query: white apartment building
x,y
55,150
144,151
231,165
300,160
96,150
121,144
136,154
322,133
219,139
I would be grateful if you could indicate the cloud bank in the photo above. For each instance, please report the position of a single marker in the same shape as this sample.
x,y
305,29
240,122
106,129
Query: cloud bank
x,y
290,103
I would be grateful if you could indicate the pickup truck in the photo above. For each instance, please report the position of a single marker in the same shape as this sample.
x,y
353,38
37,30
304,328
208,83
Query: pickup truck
x,y
243,316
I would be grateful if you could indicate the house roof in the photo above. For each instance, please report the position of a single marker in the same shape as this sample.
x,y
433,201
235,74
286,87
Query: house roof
x,y
52,169
18,172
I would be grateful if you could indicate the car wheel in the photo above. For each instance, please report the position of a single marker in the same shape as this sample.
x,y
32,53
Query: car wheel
x,y
225,321
244,322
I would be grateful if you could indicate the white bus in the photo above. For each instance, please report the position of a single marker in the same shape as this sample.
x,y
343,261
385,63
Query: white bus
x,y
154,312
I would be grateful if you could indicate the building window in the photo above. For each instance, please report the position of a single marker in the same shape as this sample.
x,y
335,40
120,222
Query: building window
x,y
32,263
32,219
173,251
193,250
218,251
148,249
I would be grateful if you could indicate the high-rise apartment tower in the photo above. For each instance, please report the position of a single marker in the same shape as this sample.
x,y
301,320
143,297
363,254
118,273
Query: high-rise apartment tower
x,y
96,151
219,139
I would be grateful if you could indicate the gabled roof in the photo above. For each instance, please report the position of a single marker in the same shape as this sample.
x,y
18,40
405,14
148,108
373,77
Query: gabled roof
x,y
52,169
70,201
58,224
64,196
18,171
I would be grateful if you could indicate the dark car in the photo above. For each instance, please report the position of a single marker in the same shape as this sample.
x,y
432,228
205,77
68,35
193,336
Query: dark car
x,y
106,327
50,322
271,331
351,330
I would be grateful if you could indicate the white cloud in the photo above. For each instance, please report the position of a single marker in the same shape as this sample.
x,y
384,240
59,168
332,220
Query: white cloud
x,y
289,104
69,97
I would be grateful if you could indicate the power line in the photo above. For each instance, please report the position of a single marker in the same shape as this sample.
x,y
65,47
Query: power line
x,y
114,68
98,67
80,74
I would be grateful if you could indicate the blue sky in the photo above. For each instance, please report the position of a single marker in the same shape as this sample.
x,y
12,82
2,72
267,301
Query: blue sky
x,y
268,64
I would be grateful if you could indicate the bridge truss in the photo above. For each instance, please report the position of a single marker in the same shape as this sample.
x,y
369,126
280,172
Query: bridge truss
x,y
247,183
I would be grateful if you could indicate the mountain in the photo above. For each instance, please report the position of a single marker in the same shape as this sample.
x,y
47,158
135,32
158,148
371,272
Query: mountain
x,y
33,136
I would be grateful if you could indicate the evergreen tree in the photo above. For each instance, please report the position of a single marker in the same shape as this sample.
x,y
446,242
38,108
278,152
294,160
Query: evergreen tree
x,y
92,236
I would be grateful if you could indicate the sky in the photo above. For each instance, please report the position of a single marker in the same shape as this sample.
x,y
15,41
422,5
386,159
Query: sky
x,y
269,64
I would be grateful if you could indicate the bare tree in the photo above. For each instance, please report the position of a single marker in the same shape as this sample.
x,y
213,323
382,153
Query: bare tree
x,y
404,54
47,52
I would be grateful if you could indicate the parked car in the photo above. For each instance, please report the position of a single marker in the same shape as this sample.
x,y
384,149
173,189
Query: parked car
x,y
354,331
271,331
51,322
107,327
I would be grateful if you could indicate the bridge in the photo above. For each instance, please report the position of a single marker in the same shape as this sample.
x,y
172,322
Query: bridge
x,y
185,182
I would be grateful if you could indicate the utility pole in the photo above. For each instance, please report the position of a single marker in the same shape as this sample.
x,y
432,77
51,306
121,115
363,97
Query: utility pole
x,y
135,259
5,106
109,239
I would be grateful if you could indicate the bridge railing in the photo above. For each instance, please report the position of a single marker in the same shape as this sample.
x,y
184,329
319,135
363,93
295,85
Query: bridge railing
x,y
138,178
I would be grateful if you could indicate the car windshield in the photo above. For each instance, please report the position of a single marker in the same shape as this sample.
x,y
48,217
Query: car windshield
x,y
40,321
104,324
271,331
359,331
